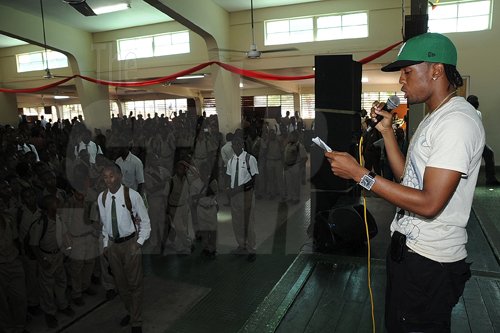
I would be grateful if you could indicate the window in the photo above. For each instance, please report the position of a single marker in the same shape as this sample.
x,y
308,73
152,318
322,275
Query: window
x,y
460,16
37,61
71,111
209,106
285,101
316,28
154,46
307,105
289,31
161,106
342,26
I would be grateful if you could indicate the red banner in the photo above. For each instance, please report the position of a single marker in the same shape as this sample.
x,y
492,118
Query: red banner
x,y
233,69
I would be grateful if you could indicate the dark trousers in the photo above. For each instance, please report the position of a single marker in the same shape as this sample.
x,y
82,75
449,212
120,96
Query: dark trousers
x,y
421,293
489,163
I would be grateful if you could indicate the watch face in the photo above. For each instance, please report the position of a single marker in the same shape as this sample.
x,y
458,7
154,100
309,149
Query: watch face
x,y
367,182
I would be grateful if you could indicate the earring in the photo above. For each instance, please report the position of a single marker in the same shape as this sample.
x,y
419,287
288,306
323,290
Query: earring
x,y
434,78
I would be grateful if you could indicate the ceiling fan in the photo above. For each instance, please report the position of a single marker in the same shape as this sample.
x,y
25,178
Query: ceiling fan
x,y
81,6
253,52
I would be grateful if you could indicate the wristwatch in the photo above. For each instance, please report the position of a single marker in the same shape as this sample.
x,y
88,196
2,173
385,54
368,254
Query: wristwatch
x,y
368,180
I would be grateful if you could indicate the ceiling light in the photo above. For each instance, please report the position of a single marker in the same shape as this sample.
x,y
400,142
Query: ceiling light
x,y
61,97
364,79
241,84
196,76
111,8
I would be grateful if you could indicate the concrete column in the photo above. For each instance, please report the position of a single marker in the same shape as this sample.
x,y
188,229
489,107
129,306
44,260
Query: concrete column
x,y
8,105
228,99
94,99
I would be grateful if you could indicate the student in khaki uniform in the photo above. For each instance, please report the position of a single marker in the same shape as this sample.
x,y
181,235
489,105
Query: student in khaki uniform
x,y
12,284
28,214
123,238
47,237
82,219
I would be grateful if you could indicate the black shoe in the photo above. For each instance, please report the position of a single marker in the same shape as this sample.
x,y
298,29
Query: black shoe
x,y
136,329
110,294
68,311
251,257
90,292
95,280
78,301
125,320
34,310
51,320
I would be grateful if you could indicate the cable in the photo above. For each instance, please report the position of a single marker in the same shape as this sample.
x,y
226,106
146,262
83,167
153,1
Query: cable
x,y
361,162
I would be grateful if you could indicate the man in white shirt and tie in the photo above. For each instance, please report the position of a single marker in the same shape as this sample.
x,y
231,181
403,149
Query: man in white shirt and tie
x,y
243,168
92,148
126,226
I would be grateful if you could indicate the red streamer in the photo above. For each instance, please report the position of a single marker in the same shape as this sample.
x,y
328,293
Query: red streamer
x,y
233,69
379,53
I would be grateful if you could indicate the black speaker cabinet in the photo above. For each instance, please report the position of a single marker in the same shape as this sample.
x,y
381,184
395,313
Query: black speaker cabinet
x,y
337,122
415,25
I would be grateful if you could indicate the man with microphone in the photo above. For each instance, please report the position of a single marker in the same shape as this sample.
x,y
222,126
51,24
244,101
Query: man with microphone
x,y
426,268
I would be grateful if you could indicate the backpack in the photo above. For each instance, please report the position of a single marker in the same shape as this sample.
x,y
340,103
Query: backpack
x,y
28,251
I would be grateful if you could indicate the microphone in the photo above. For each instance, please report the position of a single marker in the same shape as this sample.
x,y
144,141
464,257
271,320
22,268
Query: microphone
x,y
391,104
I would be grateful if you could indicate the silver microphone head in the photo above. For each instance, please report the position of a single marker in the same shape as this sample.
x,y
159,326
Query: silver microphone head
x,y
392,102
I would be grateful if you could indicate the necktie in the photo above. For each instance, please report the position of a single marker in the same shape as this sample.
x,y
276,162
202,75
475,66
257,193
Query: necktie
x,y
114,219
236,174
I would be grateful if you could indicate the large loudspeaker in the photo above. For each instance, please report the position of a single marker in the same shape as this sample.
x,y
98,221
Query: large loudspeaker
x,y
338,123
415,25
338,106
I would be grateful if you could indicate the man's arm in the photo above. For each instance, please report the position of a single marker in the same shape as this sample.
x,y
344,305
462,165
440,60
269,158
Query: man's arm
x,y
438,186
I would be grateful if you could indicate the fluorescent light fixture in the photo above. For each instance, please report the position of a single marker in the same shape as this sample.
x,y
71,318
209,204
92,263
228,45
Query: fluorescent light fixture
x,y
111,8
364,79
61,97
196,76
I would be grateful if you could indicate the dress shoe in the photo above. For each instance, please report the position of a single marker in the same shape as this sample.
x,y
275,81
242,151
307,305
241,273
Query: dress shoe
x,y
68,311
34,310
78,301
90,292
136,329
50,320
125,320
251,257
110,294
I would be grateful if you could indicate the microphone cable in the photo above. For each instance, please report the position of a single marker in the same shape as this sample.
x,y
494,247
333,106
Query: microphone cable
x,y
365,217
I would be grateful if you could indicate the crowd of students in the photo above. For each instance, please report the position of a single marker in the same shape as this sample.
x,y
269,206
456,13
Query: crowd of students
x,y
51,234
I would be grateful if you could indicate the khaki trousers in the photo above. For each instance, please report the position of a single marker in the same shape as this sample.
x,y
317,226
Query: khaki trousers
x,y
13,302
53,284
243,219
125,260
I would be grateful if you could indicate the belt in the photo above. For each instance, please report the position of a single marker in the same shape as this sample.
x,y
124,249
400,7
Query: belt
x,y
56,251
82,235
122,239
